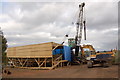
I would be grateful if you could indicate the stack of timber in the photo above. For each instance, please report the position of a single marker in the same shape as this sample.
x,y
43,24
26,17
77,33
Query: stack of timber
x,y
36,56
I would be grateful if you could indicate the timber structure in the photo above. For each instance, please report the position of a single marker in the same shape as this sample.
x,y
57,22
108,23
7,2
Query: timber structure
x,y
36,56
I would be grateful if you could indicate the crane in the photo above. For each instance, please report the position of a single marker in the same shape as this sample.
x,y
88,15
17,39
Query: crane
x,y
80,25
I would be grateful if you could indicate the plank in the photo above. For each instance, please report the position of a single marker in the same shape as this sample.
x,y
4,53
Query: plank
x,y
35,67
30,56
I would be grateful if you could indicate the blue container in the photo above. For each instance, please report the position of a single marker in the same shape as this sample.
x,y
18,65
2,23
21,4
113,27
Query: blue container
x,y
66,51
58,51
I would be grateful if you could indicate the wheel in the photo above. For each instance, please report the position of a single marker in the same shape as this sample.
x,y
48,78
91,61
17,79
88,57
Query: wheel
x,y
89,64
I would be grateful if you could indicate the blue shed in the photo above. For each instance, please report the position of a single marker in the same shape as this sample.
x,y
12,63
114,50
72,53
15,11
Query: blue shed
x,y
66,51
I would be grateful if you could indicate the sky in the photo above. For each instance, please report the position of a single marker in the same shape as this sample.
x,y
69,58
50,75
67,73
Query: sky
x,y
29,22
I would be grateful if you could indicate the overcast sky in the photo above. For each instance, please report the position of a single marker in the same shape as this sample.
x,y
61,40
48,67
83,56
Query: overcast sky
x,y
25,23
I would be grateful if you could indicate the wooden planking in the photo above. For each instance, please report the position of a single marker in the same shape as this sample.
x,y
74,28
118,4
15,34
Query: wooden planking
x,y
35,67
55,45
11,51
35,48
30,57
40,47
31,53
42,53
44,49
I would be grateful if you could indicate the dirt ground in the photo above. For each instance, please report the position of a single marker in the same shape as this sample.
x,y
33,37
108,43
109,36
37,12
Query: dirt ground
x,y
76,71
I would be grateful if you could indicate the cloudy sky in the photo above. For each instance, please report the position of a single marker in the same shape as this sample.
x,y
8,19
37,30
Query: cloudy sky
x,y
25,23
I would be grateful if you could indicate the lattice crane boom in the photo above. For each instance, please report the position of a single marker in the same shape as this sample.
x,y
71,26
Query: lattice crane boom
x,y
80,25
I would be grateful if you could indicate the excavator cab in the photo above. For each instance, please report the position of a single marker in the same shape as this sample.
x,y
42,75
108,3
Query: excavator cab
x,y
88,51
92,55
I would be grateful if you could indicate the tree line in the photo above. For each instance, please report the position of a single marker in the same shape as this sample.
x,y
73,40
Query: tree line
x,y
3,47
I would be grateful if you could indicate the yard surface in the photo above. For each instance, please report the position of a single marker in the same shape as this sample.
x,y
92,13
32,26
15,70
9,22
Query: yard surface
x,y
74,71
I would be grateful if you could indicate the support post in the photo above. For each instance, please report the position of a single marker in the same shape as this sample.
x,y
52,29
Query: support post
x,y
37,62
19,61
24,62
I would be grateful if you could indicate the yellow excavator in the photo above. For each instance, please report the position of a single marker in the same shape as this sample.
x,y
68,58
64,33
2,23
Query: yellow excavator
x,y
92,57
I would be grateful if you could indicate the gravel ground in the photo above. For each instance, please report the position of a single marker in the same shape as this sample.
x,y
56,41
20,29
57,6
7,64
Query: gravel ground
x,y
75,71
